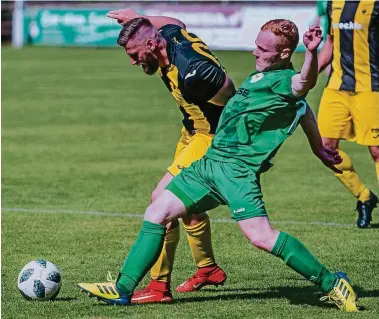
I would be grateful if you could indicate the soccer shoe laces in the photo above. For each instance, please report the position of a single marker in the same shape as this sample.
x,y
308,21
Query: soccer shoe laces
x,y
332,297
110,277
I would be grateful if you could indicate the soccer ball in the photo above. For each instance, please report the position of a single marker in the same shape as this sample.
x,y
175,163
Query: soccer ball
x,y
39,280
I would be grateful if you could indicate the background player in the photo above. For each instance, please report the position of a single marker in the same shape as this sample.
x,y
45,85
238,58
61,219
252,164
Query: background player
x,y
201,88
253,126
349,108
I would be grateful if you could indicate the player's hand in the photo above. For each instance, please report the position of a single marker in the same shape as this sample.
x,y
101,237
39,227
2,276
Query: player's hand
x,y
123,15
312,38
329,158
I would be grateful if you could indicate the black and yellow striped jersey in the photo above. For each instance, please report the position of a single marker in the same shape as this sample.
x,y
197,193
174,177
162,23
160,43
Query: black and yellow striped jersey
x,y
354,26
193,77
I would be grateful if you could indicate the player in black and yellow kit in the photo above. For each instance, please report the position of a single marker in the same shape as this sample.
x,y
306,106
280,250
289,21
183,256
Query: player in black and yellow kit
x,y
201,88
349,106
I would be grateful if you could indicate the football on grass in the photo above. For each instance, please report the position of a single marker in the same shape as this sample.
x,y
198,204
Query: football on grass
x,y
39,280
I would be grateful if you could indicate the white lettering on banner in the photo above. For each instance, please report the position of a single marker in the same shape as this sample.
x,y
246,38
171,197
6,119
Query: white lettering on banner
x,y
73,19
348,26
48,19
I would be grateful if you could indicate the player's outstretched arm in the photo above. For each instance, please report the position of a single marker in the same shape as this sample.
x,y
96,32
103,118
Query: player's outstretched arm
x,y
328,157
125,15
306,80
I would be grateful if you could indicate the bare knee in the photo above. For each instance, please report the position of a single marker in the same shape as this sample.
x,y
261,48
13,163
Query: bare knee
x,y
155,194
165,209
374,150
265,240
260,233
157,215
331,143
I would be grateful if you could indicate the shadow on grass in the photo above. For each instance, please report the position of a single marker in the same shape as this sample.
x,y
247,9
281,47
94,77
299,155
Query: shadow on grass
x,y
295,295
374,226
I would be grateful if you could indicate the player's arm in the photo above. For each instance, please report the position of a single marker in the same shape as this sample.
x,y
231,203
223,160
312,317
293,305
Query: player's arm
x,y
125,15
329,157
326,54
307,78
207,82
224,93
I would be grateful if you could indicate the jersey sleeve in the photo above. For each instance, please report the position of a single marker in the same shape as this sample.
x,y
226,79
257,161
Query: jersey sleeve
x,y
321,8
170,30
281,84
203,80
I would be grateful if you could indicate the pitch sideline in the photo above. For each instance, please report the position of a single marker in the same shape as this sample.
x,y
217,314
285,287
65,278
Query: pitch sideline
x,y
131,215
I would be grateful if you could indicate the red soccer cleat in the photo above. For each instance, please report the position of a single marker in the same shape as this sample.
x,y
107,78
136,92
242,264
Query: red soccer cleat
x,y
205,276
155,292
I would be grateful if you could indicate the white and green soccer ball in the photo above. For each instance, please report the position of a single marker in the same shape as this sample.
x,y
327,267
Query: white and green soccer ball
x,y
39,280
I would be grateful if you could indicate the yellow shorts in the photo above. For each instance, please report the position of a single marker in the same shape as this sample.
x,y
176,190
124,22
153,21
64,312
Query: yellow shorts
x,y
352,116
190,148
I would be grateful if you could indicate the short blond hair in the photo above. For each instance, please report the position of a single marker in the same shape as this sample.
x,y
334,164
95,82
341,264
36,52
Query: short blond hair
x,y
286,30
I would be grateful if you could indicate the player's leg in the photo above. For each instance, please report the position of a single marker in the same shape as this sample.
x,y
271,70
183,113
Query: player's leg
x,y
365,112
187,192
295,255
143,254
189,149
159,288
374,151
349,177
336,122
148,246
198,227
241,189
198,230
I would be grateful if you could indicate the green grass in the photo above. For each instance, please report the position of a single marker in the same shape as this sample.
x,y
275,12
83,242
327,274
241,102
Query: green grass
x,y
84,131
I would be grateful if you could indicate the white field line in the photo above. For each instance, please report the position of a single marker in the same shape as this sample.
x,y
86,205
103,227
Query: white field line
x,y
130,215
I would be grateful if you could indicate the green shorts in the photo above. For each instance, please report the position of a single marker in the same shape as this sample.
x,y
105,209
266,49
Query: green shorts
x,y
208,183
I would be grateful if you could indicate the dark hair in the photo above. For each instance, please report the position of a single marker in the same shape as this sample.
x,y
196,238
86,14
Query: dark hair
x,y
130,29
286,30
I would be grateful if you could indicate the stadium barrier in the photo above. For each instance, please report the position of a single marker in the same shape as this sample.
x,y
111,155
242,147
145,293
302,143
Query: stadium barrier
x,y
222,27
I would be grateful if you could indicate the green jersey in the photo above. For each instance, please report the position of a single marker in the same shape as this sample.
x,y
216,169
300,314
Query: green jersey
x,y
257,120
323,13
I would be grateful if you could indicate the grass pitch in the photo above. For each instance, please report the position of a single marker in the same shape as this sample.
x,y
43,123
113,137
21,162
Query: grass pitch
x,y
82,132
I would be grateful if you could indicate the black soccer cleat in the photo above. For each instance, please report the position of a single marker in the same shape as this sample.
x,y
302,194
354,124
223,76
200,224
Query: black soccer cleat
x,y
365,209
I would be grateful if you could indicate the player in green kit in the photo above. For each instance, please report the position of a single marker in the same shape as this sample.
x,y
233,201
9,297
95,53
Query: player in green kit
x,y
255,122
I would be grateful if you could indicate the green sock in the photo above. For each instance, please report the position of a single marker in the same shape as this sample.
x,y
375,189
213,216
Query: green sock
x,y
299,258
141,257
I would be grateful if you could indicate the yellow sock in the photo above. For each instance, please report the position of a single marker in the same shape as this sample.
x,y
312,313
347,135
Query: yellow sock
x,y
199,238
377,170
351,179
163,267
